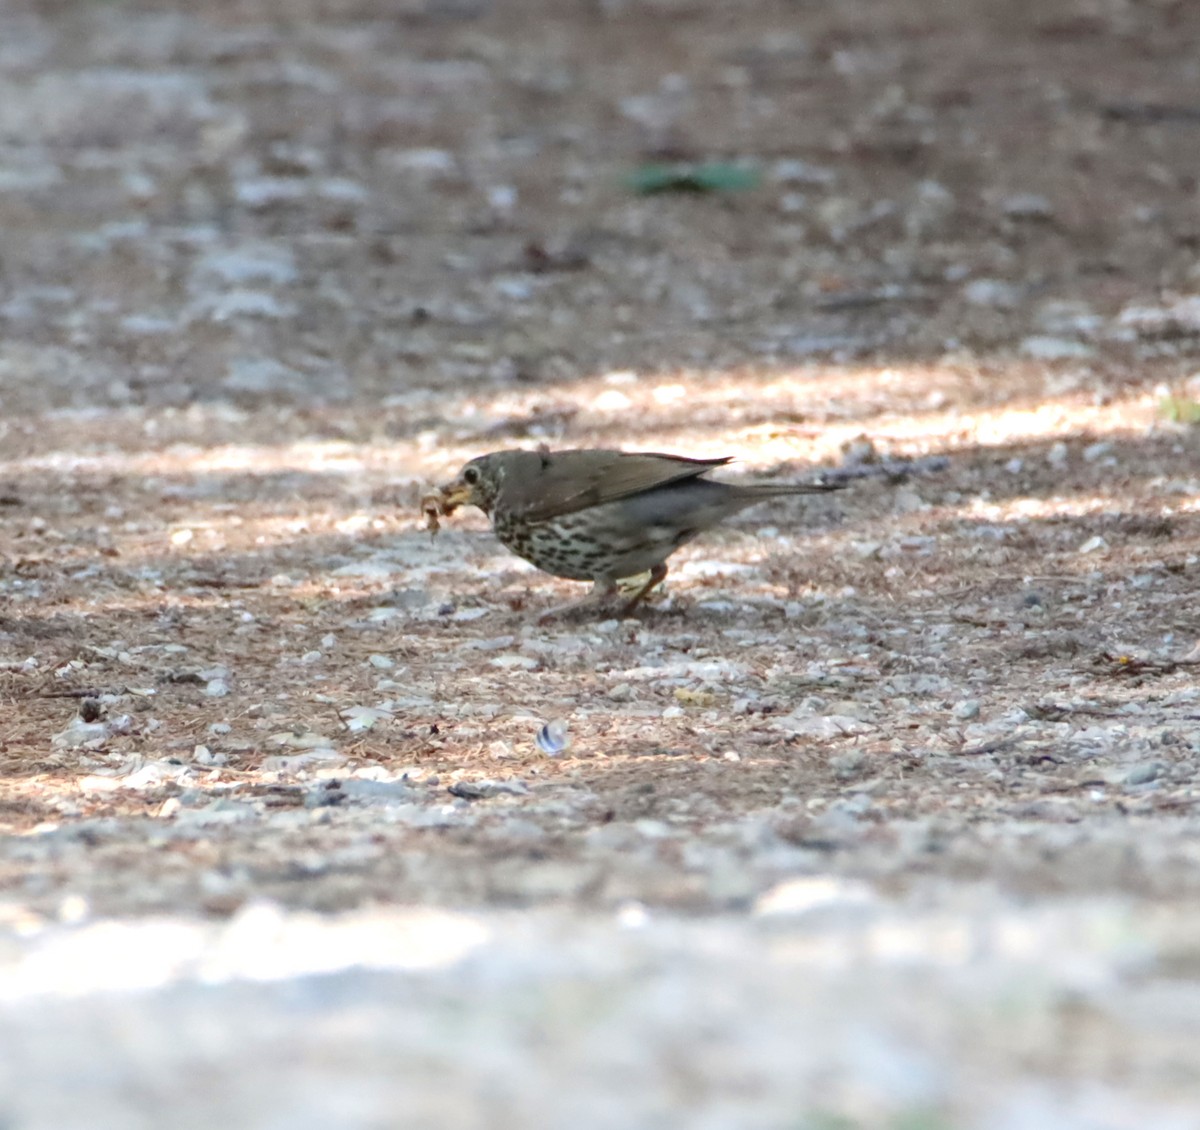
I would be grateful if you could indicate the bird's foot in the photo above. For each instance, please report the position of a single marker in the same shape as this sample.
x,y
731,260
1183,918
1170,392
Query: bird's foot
x,y
608,596
602,594
657,575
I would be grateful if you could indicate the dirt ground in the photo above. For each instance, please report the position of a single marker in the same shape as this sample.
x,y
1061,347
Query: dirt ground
x,y
269,269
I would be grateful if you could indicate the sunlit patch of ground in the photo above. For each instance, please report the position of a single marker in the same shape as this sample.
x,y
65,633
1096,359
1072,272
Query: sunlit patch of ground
x,y
289,565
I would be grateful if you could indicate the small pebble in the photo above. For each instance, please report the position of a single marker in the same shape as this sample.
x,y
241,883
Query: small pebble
x,y
514,662
481,790
80,733
496,643
73,909
1095,451
361,718
1144,773
1027,206
202,755
1058,455
1042,347
848,764
992,292
966,710
288,764
632,916
466,615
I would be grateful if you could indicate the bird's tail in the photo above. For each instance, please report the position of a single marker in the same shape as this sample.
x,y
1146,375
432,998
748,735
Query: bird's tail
x,y
774,490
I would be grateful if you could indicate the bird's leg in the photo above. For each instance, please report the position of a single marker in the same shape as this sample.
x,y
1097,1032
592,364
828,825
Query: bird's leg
x,y
657,575
602,591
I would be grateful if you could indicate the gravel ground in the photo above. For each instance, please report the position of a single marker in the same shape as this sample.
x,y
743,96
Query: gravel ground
x,y
881,815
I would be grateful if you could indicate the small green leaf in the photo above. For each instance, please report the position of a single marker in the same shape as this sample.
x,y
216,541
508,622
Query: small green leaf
x,y
714,177
1181,410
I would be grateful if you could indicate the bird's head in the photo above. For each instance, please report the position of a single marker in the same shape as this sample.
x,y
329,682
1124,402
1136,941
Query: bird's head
x,y
479,482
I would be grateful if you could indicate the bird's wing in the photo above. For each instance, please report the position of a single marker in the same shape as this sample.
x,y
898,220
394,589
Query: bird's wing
x,y
574,480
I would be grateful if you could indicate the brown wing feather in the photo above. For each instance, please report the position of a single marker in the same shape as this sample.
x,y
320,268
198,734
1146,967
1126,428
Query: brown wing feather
x,y
567,481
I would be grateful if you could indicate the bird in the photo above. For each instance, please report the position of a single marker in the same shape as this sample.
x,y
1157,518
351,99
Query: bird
x,y
602,515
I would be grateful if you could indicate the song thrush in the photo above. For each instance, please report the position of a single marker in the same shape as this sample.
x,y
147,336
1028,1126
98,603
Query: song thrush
x,y
602,516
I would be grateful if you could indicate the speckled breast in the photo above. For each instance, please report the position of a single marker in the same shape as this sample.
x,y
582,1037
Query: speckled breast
x,y
561,546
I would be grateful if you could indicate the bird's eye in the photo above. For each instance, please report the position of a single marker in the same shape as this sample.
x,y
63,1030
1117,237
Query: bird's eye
x,y
471,476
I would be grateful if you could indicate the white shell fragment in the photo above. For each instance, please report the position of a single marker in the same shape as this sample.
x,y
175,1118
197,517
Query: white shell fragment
x,y
553,739
360,718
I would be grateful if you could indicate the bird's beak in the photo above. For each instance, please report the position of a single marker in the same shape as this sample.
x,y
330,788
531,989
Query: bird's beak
x,y
455,494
